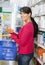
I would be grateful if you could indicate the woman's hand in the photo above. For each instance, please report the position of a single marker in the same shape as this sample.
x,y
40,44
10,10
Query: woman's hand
x,y
8,29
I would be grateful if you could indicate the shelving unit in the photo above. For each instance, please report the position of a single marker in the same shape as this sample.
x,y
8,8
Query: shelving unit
x,y
7,16
40,61
32,3
42,29
40,45
38,13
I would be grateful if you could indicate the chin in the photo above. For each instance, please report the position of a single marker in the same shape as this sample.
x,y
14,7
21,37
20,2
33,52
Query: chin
x,y
24,20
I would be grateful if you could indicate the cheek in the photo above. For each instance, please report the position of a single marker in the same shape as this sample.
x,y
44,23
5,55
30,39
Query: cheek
x,y
24,17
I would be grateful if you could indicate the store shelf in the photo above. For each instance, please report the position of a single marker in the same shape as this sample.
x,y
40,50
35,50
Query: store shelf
x,y
37,3
39,44
42,29
18,26
36,16
39,15
40,61
35,42
42,14
38,12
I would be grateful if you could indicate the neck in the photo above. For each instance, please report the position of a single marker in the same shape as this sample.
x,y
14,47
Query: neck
x,y
28,20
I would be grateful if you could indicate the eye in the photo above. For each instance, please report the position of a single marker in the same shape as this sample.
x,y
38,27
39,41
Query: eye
x,y
20,12
24,13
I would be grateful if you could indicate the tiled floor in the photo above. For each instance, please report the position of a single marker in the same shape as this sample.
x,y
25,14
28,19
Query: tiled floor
x,y
16,63
31,63
12,63
8,63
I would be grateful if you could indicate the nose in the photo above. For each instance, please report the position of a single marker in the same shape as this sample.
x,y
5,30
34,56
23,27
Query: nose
x,y
21,15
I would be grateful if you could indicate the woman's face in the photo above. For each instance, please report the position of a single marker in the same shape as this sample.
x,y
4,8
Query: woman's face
x,y
24,16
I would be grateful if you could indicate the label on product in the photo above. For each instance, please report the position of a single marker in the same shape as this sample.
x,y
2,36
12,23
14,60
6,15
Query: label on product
x,y
43,57
8,50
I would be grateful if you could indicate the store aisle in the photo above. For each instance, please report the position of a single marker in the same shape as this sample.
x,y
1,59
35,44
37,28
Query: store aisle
x,y
31,63
16,63
2,62
8,63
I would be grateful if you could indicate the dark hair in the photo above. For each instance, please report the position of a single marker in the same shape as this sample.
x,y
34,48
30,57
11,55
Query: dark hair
x,y
35,27
28,10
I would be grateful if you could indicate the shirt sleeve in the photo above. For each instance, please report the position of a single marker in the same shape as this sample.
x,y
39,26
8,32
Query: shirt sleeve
x,y
24,37
14,34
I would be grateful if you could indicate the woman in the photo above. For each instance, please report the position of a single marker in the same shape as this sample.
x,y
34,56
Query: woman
x,y
25,37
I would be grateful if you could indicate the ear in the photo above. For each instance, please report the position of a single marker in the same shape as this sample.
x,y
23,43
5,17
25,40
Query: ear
x,y
29,14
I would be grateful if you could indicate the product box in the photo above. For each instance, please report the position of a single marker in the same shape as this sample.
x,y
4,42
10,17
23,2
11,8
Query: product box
x,y
8,50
